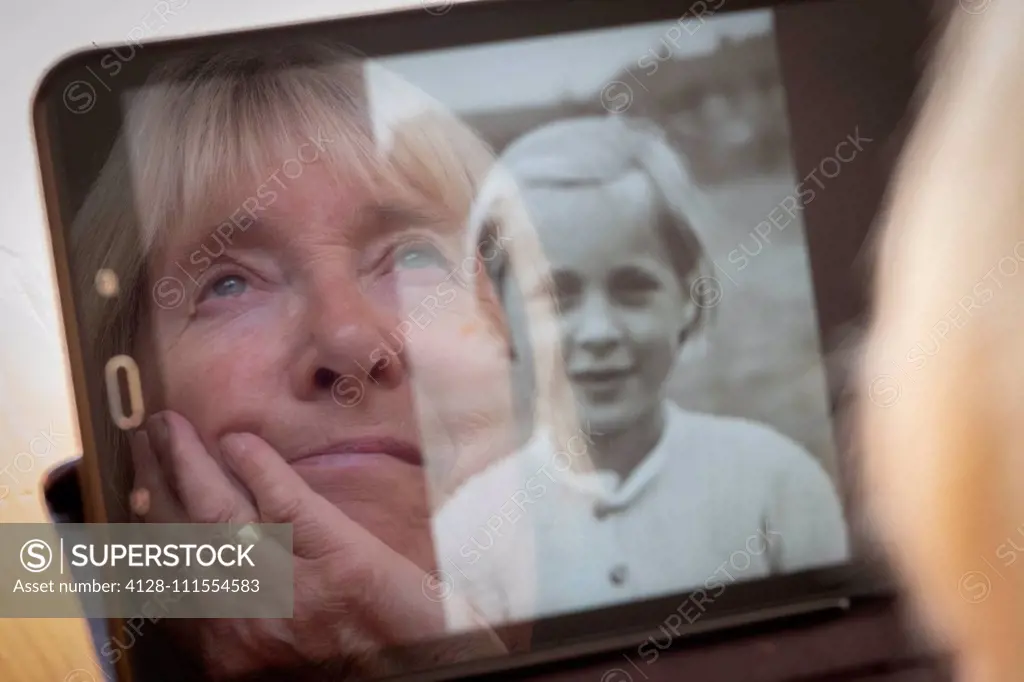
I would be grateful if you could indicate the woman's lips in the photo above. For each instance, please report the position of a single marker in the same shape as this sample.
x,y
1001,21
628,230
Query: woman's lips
x,y
360,450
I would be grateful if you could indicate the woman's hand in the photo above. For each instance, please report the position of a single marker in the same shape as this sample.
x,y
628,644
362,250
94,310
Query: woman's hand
x,y
354,597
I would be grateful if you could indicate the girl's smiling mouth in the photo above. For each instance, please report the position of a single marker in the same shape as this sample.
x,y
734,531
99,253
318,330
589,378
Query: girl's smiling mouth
x,y
602,377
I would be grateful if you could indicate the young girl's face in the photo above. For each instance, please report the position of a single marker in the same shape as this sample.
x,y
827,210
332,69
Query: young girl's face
x,y
342,328
621,305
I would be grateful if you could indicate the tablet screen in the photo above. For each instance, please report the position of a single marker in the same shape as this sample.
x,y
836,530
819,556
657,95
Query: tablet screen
x,y
510,331
653,165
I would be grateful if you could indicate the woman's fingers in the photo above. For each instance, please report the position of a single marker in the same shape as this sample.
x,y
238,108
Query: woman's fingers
x,y
204,489
318,527
151,497
345,563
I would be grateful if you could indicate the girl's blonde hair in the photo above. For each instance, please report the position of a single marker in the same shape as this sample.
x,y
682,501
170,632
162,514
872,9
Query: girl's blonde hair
x,y
228,119
941,419
598,150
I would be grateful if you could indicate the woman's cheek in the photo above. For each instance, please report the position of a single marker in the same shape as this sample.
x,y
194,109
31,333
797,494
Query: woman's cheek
x,y
461,378
222,366
420,298
452,345
544,326
456,351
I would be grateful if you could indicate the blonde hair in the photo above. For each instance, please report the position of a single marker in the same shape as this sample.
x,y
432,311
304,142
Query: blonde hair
x,y
944,470
226,118
597,150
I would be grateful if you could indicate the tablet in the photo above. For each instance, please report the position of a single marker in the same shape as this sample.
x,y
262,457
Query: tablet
x,y
514,315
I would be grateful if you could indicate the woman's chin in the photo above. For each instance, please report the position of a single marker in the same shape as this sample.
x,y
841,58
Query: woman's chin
x,y
384,495
345,478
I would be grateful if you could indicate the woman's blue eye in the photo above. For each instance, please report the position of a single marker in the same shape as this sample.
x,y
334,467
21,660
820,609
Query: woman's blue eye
x,y
231,285
420,255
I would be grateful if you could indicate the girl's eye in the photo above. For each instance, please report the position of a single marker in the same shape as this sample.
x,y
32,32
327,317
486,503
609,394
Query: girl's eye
x,y
633,286
566,288
419,255
230,285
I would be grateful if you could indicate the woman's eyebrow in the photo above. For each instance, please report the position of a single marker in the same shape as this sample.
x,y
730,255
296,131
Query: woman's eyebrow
x,y
370,222
217,237
374,221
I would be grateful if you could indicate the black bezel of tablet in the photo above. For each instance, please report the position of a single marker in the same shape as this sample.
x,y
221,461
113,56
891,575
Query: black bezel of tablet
x,y
409,30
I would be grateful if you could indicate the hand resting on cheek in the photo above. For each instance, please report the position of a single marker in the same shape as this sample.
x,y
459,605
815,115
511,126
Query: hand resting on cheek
x,y
354,597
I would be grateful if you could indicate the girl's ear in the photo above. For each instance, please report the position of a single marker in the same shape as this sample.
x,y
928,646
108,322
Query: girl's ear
x,y
686,330
696,303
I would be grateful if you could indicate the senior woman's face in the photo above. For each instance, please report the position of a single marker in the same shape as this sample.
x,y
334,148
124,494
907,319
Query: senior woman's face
x,y
342,328
620,303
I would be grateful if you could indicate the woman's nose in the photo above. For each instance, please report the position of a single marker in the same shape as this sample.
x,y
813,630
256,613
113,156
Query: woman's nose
x,y
351,343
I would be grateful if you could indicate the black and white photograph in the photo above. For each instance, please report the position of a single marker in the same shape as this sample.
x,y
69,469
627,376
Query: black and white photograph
x,y
653,163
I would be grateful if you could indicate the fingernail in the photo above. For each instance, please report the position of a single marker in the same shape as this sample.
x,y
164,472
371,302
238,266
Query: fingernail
x,y
233,445
139,501
158,432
